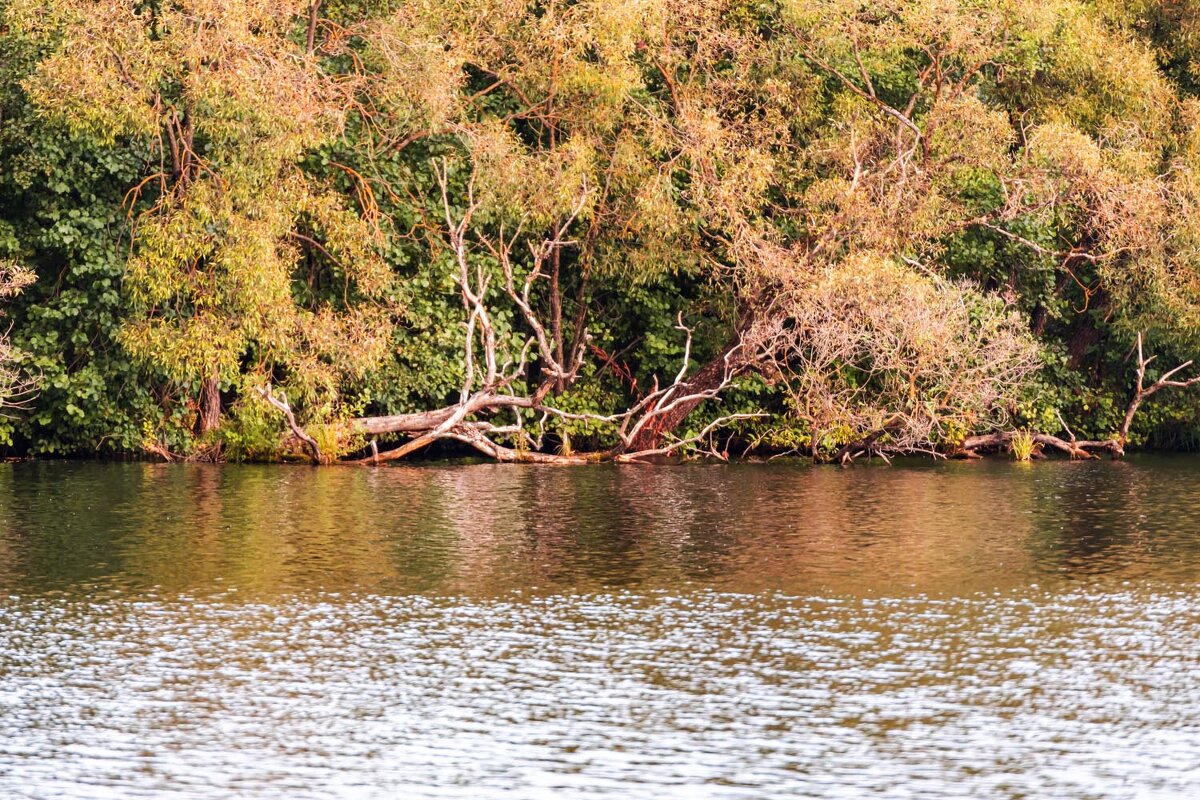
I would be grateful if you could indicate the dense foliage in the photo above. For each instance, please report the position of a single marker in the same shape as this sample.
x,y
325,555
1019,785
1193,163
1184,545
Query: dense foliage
x,y
251,224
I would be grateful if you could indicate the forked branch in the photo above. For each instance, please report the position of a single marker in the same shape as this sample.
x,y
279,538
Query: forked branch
x,y
1145,392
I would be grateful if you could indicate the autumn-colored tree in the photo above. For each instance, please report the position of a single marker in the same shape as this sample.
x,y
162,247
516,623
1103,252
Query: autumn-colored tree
x,y
240,260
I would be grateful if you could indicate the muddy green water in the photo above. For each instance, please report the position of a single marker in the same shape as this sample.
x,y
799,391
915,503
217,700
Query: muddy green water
x,y
963,630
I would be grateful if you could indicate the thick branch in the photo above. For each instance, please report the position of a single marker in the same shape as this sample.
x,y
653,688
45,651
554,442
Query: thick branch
x,y
670,410
1075,449
434,425
668,449
310,40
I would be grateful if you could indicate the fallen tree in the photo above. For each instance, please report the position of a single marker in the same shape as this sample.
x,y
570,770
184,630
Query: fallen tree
x,y
492,415
471,421
1002,440
974,360
1115,447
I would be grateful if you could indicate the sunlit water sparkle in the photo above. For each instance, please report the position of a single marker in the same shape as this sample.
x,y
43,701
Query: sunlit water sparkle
x,y
480,632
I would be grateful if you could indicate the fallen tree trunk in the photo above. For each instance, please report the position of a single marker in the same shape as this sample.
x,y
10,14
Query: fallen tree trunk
x,y
460,423
492,374
1075,449
644,430
401,423
422,421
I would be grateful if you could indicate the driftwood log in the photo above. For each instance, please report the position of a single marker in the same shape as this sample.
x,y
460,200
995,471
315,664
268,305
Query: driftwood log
x,y
1073,448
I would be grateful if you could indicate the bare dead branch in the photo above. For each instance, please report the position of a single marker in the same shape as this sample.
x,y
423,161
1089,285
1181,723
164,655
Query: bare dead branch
x,y
679,444
280,402
1144,392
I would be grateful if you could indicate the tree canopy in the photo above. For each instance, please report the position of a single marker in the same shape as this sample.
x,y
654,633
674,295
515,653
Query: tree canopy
x,y
539,229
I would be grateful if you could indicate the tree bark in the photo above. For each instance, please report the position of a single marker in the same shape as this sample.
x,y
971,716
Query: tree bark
x,y
284,406
1072,447
417,422
210,404
310,39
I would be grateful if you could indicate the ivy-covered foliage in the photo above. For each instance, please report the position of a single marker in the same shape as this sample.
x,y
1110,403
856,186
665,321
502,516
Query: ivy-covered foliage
x,y
61,215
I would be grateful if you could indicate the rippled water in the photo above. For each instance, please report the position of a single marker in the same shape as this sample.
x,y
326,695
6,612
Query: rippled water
x,y
928,631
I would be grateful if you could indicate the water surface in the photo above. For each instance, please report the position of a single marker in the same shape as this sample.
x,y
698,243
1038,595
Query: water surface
x,y
481,631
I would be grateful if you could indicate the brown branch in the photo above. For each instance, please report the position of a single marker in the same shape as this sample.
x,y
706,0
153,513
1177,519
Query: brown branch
x,y
1086,449
670,83
314,243
868,95
310,40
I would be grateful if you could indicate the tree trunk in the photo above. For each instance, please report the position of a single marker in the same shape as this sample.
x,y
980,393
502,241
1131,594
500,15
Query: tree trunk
x,y
1072,447
1080,344
210,404
556,328
709,377
310,43
1086,335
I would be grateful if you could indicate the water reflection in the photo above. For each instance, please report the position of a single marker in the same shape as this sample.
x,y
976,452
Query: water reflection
x,y
484,530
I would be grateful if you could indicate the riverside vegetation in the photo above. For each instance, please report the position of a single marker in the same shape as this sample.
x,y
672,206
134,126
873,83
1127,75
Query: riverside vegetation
x,y
598,230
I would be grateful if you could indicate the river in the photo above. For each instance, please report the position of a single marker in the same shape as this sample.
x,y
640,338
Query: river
x,y
926,630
